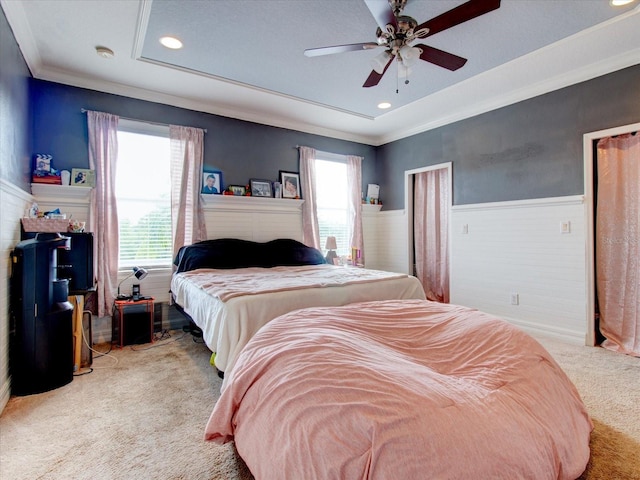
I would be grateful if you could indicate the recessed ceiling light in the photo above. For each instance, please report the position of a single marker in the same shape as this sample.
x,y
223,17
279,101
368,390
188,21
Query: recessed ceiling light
x,y
384,105
105,52
171,42
620,3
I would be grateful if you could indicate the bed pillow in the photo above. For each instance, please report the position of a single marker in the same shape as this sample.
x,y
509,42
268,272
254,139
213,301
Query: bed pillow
x,y
288,252
228,253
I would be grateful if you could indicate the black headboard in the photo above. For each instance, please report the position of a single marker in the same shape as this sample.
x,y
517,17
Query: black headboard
x,y
236,253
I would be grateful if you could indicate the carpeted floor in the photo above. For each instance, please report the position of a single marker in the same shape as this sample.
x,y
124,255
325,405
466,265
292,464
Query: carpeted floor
x,y
141,414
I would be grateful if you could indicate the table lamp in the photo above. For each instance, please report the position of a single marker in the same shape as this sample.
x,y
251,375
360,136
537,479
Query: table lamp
x,y
139,272
331,246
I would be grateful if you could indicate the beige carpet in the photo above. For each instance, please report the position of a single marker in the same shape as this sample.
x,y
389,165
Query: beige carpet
x,y
143,417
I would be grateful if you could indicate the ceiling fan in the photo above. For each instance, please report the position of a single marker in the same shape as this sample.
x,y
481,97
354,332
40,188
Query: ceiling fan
x,y
396,32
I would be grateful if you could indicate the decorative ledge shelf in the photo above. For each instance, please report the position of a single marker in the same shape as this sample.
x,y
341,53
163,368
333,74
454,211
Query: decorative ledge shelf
x,y
368,208
60,192
252,204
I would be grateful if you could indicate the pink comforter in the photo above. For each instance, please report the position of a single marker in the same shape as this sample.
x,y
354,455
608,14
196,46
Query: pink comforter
x,y
403,389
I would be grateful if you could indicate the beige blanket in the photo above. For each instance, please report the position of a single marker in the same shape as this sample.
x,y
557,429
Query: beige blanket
x,y
228,284
261,294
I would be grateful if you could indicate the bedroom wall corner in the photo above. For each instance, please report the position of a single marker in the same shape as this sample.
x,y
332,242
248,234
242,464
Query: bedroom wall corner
x,y
523,261
14,202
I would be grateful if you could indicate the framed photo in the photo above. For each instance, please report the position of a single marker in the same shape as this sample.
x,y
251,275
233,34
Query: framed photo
x,y
211,182
261,188
83,177
290,184
237,190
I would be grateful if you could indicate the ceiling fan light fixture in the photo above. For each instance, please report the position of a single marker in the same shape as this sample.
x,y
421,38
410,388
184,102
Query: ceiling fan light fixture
x,y
409,55
379,62
171,42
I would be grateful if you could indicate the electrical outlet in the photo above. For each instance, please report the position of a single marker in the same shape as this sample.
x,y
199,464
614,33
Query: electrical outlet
x,y
515,299
465,229
565,227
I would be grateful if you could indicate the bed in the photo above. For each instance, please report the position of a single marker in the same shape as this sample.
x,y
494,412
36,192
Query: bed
x,y
230,288
400,389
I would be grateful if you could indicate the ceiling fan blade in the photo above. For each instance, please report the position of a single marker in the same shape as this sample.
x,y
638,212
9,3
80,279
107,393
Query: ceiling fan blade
x,y
441,58
374,77
382,12
316,52
458,15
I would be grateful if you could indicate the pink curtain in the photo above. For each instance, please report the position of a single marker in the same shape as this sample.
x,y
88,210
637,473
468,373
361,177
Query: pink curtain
x,y
310,228
187,214
617,245
430,231
103,222
354,184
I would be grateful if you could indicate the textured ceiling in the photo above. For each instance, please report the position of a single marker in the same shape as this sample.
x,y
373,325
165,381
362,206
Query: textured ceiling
x,y
244,58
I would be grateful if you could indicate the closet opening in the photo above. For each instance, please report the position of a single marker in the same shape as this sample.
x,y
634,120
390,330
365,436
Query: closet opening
x,y
609,223
428,199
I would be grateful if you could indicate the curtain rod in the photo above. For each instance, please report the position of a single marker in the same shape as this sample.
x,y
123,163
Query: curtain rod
x,y
84,110
333,157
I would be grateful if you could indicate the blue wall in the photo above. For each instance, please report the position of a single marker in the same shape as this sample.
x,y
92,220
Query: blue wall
x,y
241,150
532,149
14,110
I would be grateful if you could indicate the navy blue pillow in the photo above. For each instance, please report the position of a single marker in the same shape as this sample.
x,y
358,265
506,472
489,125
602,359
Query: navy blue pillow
x,y
225,253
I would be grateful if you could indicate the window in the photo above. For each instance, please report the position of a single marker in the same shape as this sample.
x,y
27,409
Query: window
x,y
143,193
332,201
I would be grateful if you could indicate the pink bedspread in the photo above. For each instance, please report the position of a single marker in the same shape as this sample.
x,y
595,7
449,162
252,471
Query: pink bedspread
x,y
402,389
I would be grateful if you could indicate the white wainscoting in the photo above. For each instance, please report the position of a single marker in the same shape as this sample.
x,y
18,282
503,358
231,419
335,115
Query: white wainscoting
x,y
510,248
252,218
520,248
389,250
14,203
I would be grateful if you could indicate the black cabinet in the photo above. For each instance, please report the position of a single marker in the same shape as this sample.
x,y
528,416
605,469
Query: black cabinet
x,y
40,329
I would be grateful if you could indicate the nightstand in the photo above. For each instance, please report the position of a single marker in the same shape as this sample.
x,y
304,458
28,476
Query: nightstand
x,y
131,313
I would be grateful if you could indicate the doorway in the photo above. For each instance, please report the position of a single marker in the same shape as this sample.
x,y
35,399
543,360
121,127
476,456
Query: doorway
x,y
590,177
431,267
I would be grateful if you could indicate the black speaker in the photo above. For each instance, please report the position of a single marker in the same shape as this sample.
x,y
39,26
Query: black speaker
x,y
75,264
136,328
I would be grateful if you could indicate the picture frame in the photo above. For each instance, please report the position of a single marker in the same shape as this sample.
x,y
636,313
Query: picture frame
x,y
83,177
290,184
261,188
211,182
237,190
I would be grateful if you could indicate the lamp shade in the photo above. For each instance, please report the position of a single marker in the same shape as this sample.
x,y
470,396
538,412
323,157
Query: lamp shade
x,y
140,272
331,243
